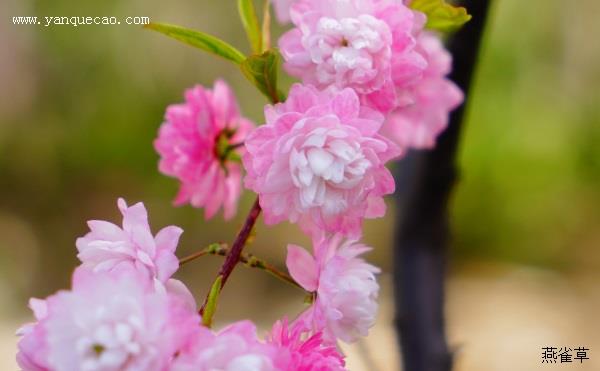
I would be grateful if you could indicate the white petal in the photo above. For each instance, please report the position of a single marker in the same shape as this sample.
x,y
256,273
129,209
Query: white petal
x,y
319,160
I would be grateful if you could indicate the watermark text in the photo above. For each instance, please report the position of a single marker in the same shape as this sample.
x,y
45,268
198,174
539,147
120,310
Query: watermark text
x,y
76,21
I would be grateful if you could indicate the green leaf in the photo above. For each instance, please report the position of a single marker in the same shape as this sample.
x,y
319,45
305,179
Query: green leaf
x,y
441,16
261,70
199,40
251,25
211,303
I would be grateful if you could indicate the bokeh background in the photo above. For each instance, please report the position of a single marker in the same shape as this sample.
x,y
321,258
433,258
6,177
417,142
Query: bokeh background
x,y
80,106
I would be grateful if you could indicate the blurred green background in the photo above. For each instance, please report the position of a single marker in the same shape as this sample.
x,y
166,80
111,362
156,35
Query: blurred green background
x,y
80,107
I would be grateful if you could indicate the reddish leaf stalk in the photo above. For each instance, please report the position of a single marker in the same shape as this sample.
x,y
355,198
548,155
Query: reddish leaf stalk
x,y
233,257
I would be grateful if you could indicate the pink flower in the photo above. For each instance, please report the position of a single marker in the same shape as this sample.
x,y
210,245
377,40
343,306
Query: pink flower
x,y
346,287
33,352
235,348
199,143
366,45
108,247
320,162
417,125
282,10
108,321
300,351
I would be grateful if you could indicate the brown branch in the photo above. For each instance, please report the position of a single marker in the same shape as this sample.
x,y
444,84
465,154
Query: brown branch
x,y
233,257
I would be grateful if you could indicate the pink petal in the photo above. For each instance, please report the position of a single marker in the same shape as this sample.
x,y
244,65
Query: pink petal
x,y
167,238
245,329
224,104
376,207
345,104
303,267
166,265
105,230
180,290
39,308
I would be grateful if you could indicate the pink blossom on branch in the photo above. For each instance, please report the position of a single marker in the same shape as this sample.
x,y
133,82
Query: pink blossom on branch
x,y
198,143
346,287
298,350
108,321
108,247
367,45
320,162
418,124
235,348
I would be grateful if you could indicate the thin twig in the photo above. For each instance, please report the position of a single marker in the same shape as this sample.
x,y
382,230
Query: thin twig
x,y
254,262
198,254
248,260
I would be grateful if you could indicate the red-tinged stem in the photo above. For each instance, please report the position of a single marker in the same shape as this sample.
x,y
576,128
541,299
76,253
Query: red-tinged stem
x,y
233,257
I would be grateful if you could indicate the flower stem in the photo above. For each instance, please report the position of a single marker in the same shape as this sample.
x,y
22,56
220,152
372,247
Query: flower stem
x,y
211,249
233,256
254,262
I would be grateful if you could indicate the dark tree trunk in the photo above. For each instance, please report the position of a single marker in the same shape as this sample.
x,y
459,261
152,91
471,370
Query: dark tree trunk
x,y
425,180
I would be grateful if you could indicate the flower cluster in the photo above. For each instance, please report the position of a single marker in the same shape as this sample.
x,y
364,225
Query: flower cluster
x,y
107,321
380,49
116,316
124,311
367,45
373,85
